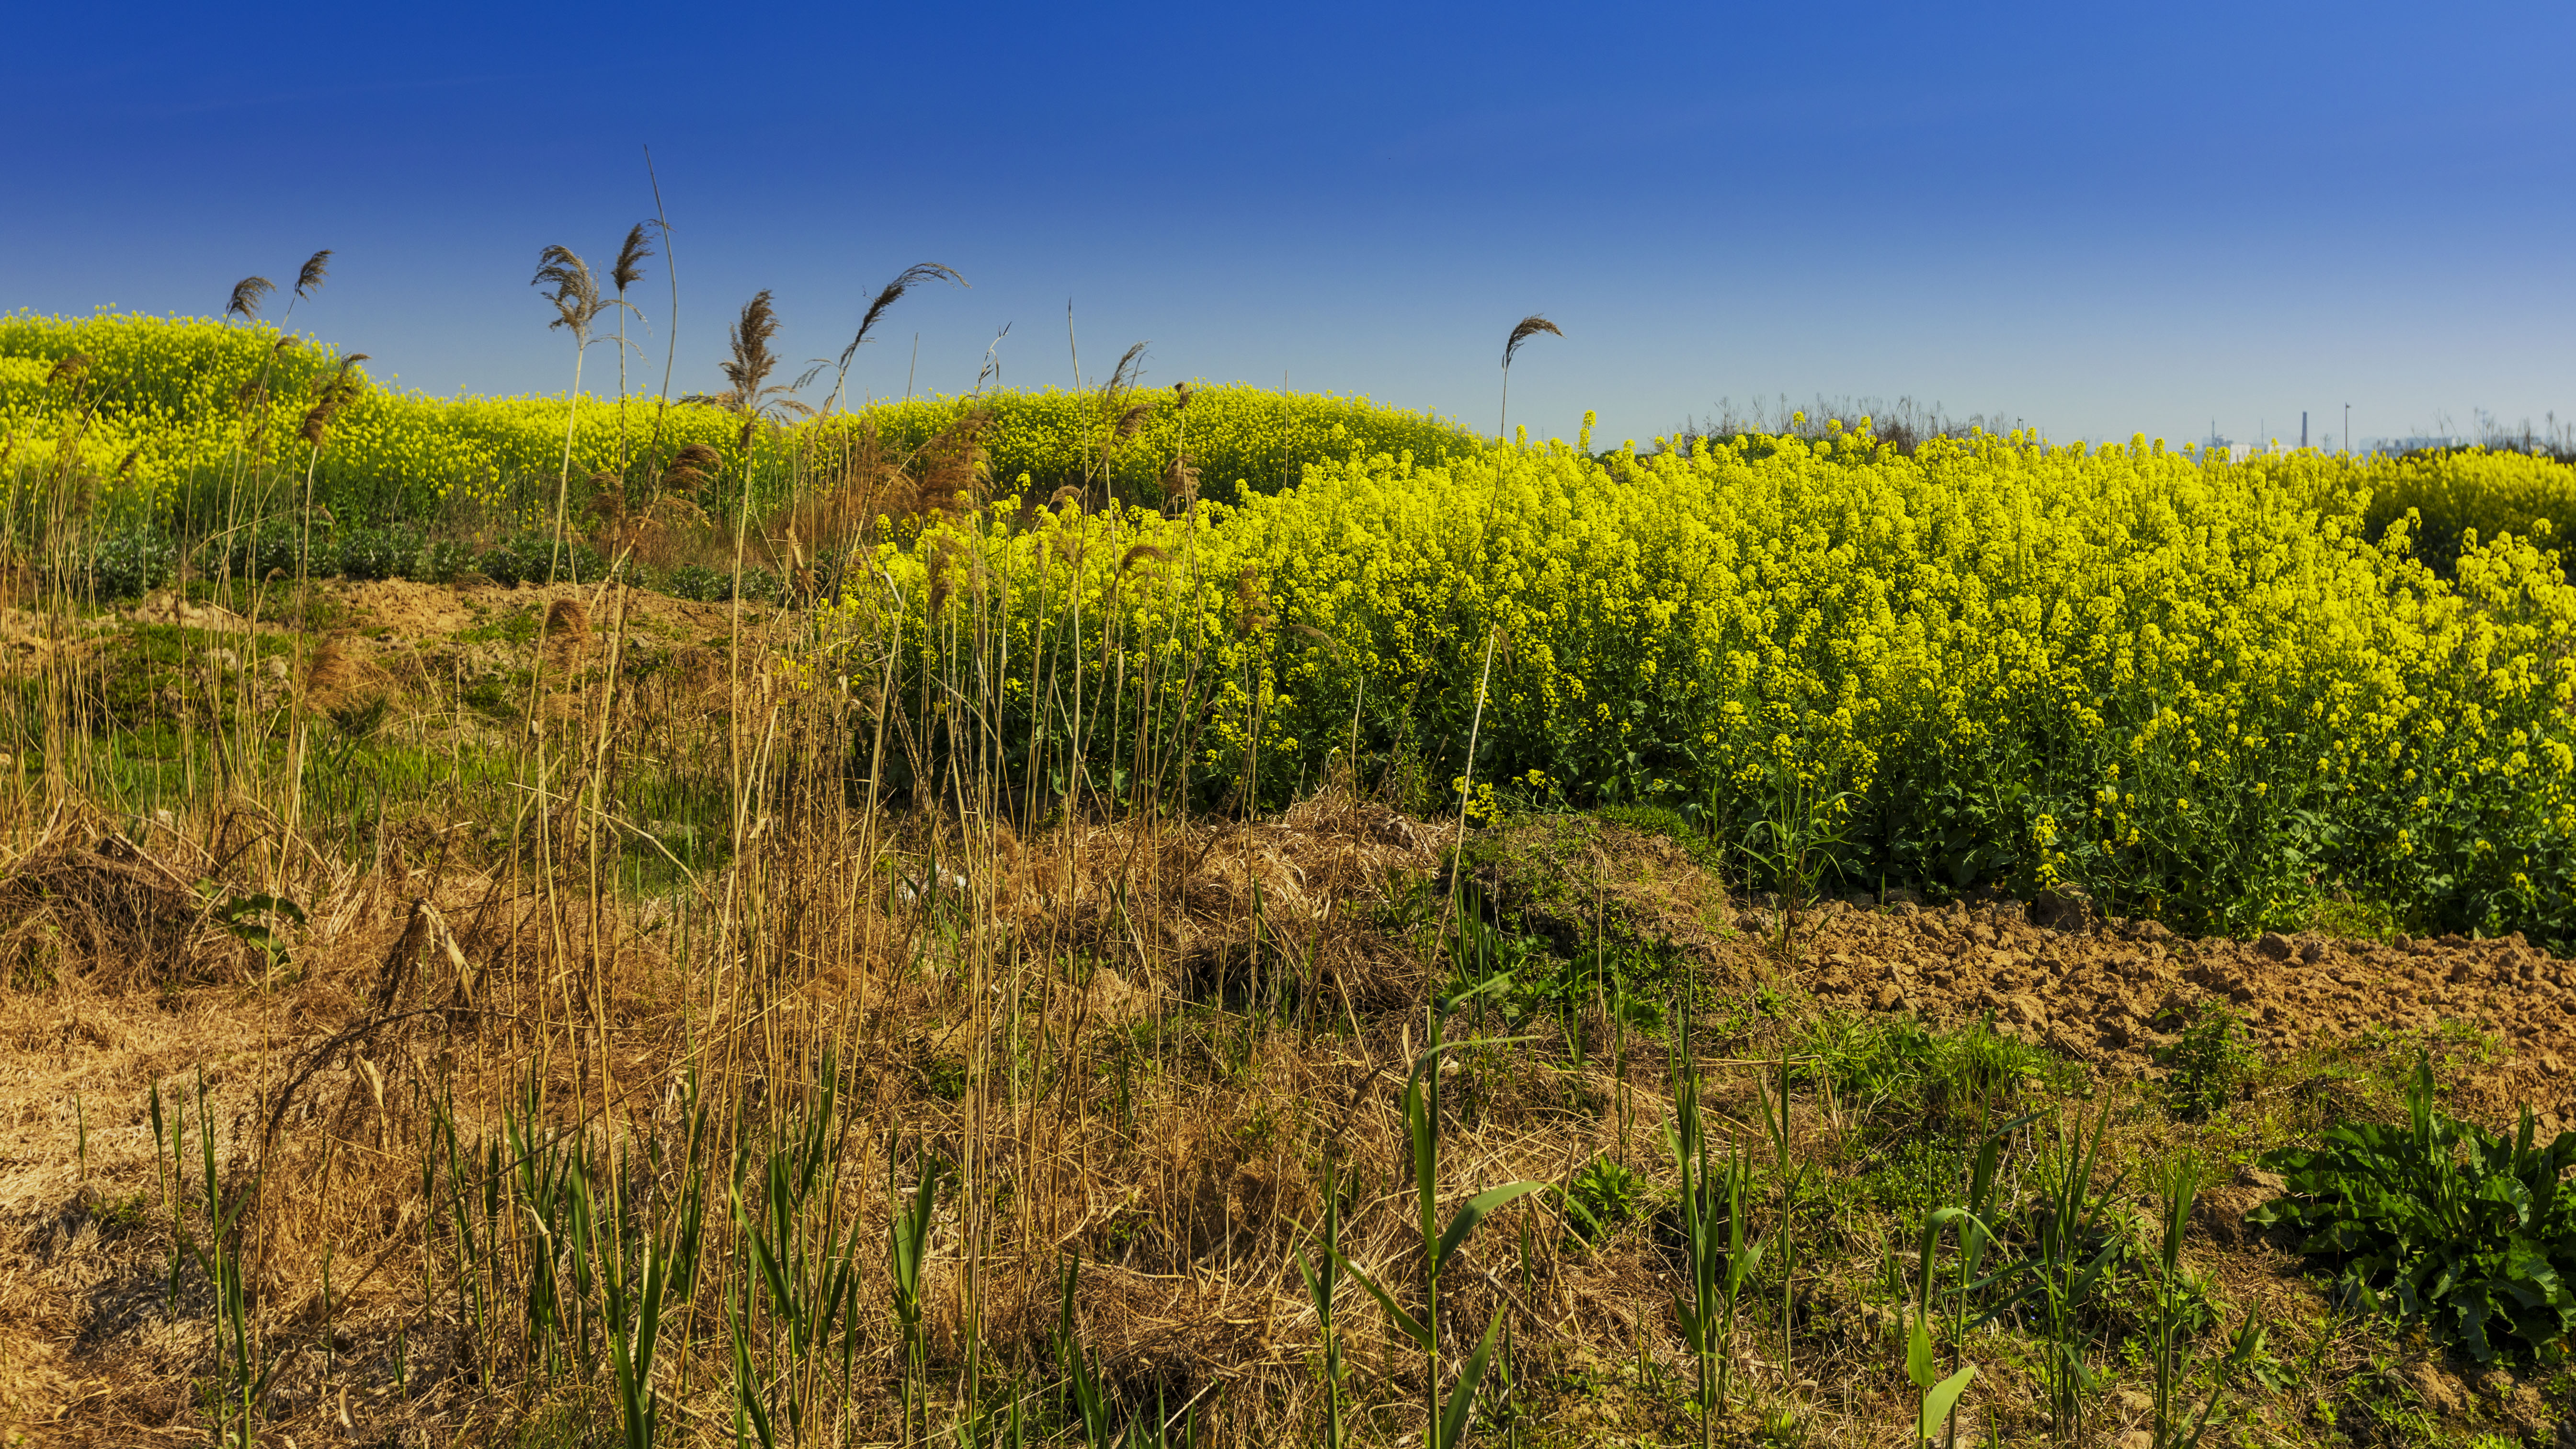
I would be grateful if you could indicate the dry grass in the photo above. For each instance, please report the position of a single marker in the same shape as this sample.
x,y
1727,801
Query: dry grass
x,y
1133,1038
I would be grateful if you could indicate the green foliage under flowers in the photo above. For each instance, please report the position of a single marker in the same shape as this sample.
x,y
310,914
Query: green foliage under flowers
x,y
1918,1082
2441,1221
1520,975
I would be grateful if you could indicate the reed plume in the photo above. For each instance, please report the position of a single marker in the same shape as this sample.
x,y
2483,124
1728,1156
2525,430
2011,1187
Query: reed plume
x,y
317,418
752,361
890,294
1121,420
576,292
1181,481
248,293
567,619
329,670
1251,604
694,465
1528,327
336,392
70,372
630,259
954,461
577,303
629,269
991,371
309,277
1131,367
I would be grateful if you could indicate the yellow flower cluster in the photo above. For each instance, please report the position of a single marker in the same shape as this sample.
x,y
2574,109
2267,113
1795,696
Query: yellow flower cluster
x,y
2188,687
194,401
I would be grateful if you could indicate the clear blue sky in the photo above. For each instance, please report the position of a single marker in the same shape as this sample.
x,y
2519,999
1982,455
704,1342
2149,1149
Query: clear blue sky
x,y
2098,218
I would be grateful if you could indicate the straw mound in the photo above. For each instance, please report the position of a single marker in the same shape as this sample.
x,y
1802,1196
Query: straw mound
x,y
106,908
1228,909
1575,877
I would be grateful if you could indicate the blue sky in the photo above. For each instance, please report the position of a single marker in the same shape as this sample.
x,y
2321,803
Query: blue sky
x,y
2098,219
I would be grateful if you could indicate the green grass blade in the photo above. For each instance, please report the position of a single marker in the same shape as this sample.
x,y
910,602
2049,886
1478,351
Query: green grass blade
x,y
1474,1212
1940,1400
1462,1399
1406,1323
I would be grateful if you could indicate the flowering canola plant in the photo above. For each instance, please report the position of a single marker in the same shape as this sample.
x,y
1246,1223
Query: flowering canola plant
x,y
2200,689
2222,691
177,406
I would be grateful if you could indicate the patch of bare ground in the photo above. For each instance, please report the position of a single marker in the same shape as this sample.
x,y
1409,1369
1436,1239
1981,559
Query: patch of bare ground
x,y
2109,993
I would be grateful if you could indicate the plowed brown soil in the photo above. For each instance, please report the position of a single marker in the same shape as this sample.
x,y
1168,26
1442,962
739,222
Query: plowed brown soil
x,y
2101,993
2107,993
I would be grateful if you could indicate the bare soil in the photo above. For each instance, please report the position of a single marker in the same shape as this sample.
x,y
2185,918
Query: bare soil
x,y
2106,993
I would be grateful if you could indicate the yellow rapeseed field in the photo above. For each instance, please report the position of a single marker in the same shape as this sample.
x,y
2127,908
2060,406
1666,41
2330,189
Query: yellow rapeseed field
x,y
176,408
2187,687
2236,694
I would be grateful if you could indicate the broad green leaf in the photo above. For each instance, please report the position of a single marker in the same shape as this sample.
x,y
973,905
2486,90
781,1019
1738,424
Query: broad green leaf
x,y
1940,1400
1406,1323
1473,1213
1462,1398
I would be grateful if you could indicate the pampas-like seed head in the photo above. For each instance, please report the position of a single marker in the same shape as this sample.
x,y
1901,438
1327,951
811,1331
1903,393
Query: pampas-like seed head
x,y
1140,554
328,670
567,619
70,373
630,260
1131,366
337,392
576,291
911,277
308,278
607,497
938,593
247,295
752,362
1530,326
1133,420
317,420
1252,603
695,464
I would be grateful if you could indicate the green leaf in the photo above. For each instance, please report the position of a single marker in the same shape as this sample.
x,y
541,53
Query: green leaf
x,y
1918,1352
1940,1400
1473,1213
1406,1323
1462,1399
